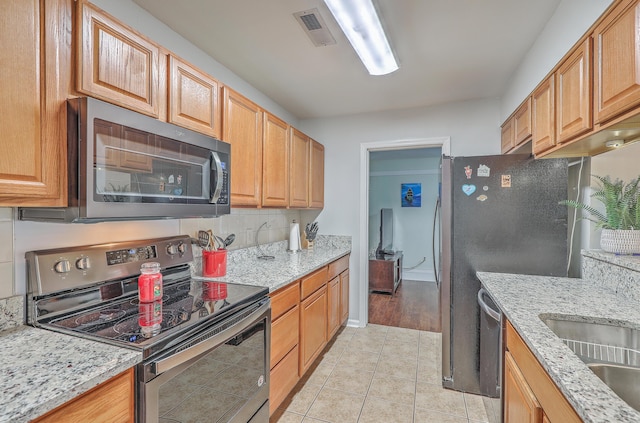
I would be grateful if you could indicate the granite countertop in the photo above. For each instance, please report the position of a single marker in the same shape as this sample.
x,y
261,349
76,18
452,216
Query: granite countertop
x,y
524,298
42,369
244,266
627,261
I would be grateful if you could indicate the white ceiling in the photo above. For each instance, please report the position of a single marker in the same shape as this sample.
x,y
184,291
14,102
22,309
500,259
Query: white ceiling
x,y
448,50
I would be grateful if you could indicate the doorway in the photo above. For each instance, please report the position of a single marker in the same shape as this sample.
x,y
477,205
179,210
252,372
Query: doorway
x,y
390,170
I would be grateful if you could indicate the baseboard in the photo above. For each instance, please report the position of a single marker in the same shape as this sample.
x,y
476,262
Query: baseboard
x,y
419,275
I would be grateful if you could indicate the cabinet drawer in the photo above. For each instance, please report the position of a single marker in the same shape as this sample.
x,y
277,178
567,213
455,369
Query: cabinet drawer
x,y
312,282
284,334
283,378
338,266
284,300
109,402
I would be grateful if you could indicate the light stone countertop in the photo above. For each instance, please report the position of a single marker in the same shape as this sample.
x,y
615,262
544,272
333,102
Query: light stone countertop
x,y
244,267
42,369
524,298
628,261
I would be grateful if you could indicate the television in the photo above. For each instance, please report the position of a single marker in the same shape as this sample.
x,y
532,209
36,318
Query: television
x,y
385,247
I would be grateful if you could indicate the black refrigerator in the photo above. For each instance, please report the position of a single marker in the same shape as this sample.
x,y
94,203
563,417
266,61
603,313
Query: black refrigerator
x,y
499,214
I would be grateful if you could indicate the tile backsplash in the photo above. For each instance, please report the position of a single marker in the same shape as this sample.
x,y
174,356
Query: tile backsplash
x,y
17,237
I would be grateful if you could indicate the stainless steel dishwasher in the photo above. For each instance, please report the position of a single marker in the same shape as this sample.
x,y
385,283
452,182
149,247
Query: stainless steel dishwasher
x,y
490,345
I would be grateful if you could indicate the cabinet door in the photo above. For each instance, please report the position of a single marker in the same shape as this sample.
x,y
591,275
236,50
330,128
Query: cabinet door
x,y
109,402
522,123
35,39
275,162
242,128
543,116
520,405
299,170
333,306
316,178
507,136
115,63
193,98
617,61
313,328
573,90
344,296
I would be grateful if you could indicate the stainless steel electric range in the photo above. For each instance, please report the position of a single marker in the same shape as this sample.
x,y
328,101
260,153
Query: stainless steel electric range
x,y
204,345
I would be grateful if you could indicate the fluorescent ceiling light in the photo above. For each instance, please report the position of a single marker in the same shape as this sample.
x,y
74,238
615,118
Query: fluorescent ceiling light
x,y
360,23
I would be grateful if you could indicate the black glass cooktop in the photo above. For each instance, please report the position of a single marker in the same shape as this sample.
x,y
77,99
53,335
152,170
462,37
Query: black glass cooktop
x,y
185,305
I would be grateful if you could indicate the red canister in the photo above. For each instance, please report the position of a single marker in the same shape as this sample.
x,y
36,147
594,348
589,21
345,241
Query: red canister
x,y
150,283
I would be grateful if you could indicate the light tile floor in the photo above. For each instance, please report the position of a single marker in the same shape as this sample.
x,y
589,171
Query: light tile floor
x,y
381,374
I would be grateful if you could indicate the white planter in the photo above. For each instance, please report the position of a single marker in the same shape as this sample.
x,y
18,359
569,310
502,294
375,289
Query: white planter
x,y
620,241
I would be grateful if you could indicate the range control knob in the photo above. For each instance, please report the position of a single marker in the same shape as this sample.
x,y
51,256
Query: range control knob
x,y
172,249
83,263
182,247
63,266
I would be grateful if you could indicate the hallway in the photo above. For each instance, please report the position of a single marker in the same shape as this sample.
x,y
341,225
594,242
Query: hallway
x,y
416,305
381,374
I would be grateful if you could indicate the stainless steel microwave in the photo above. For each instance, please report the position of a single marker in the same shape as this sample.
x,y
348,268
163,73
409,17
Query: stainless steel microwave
x,y
123,165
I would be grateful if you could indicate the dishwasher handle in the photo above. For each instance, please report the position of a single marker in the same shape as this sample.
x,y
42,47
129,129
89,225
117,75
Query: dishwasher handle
x,y
485,307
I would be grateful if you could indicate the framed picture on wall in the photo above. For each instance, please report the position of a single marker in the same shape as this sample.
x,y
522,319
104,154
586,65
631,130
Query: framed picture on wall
x,y
411,195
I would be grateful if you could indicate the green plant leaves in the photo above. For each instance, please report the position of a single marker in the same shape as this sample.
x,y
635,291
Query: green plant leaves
x,y
621,202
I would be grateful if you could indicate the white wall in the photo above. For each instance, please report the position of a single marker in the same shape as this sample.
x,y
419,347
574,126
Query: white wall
x,y
412,226
474,129
570,21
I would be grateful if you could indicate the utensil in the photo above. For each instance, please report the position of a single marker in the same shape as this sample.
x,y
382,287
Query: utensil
x,y
229,240
204,240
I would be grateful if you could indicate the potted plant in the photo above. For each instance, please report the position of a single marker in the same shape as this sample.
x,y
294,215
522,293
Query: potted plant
x,y
620,221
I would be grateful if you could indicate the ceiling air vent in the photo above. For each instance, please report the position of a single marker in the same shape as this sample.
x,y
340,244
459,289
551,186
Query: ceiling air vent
x,y
313,24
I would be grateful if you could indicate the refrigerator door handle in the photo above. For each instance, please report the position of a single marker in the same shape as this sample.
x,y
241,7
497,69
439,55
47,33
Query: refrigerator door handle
x,y
433,242
488,310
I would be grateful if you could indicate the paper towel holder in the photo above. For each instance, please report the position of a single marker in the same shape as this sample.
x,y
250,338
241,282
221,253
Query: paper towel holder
x,y
294,238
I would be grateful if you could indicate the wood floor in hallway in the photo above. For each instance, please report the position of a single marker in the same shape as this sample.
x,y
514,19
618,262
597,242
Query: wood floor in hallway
x,y
416,305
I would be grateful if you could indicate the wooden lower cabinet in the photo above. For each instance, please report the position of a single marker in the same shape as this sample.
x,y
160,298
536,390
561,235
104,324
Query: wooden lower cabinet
x,y
282,379
109,402
529,393
344,297
313,328
520,405
333,307
305,315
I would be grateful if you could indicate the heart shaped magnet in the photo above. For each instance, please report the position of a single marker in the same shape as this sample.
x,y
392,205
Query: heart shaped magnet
x,y
468,189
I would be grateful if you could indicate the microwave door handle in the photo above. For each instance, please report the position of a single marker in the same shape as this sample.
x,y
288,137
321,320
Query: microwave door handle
x,y
216,178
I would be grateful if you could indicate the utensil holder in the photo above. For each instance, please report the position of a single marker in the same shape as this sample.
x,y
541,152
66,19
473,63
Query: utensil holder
x,y
214,263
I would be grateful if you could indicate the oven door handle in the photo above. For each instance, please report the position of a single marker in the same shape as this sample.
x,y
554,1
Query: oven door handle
x,y
162,365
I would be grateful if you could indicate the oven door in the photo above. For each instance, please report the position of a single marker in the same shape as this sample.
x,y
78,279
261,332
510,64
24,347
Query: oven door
x,y
220,374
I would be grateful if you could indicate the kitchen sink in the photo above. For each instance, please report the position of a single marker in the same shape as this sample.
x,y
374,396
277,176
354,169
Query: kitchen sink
x,y
623,380
610,351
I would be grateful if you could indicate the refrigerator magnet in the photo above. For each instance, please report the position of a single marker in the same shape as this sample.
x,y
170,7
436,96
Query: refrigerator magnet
x,y
468,171
485,188
506,181
482,197
468,189
483,171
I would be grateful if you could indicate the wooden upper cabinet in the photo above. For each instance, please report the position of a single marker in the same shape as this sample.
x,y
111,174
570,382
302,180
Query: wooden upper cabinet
x,y
299,169
543,116
573,91
115,63
522,123
507,136
617,61
275,162
242,128
193,98
316,175
35,72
